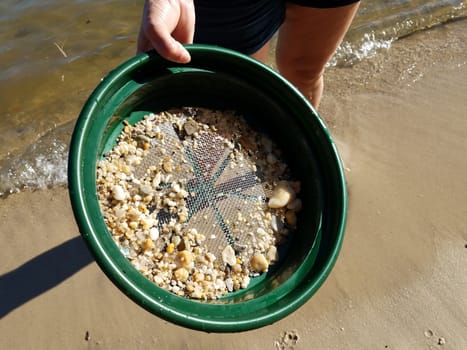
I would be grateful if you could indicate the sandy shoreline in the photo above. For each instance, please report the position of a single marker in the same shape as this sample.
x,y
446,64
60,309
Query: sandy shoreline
x,y
400,281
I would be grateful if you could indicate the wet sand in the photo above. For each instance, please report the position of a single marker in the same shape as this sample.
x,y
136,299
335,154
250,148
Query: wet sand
x,y
400,282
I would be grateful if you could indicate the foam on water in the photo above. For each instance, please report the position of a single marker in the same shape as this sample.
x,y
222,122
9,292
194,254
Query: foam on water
x,y
379,23
42,165
349,53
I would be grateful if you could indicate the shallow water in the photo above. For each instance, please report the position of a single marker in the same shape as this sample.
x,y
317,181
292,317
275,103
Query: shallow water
x,y
53,53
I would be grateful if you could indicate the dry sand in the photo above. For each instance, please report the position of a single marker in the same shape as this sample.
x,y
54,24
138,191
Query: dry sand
x,y
400,121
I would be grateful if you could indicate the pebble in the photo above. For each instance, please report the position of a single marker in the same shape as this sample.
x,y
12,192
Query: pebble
x,y
259,263
154,233
428,333
184,259
276,224
118,193
281,196
181,274
291,217
272,255
190,127
228,256
295,205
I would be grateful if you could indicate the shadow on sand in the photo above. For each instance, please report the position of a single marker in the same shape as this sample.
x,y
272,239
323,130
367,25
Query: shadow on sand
x,y
42,273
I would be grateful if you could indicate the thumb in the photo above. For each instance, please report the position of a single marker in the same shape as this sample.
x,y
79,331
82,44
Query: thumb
x,y
170,49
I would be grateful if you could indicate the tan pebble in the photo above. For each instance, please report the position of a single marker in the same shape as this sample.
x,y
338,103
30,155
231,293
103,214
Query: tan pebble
x,y
167,165
145,189
236,268
133,214
228,256
170,203
189,287
259,263
260,231
170,248
201,260
118,193
190,127
182,218
119,212
272,254
197,294
147,244
181,274
129,233
175,187
210,257
291,217
182,194
184,258
176,240
219,284
281,195
198,276
295,205
142,208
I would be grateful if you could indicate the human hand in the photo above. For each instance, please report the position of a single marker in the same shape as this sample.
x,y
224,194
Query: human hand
x,y
165,26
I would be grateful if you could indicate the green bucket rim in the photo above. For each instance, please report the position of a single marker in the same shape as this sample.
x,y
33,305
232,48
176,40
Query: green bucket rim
x,y
234,317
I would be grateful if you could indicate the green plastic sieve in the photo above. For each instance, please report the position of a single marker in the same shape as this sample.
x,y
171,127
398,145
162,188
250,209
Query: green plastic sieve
x,y
216,78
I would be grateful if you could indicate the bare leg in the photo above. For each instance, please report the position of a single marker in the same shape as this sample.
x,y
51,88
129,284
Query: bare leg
x,y
262,54
307,40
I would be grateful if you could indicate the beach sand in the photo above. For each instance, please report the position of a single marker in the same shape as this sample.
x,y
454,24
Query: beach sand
x,y
400,282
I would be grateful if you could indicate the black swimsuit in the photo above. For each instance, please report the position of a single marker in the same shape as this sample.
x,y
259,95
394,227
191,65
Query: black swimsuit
x,y
245,25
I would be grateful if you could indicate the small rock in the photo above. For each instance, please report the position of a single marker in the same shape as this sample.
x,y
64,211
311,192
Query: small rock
x,y
281,195
272,254
154,233
259,263
228,256
184,259
276,224
428,333
145,189
181,274
291,217
118,193
190,127
295,205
